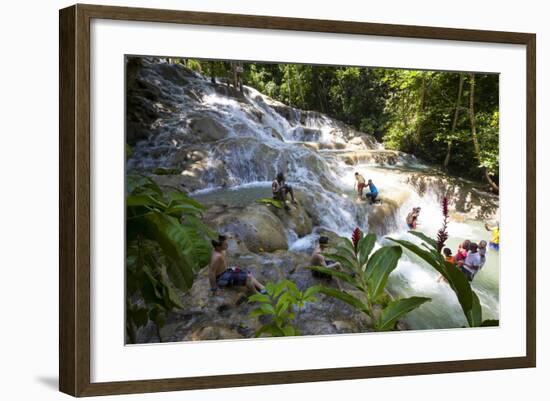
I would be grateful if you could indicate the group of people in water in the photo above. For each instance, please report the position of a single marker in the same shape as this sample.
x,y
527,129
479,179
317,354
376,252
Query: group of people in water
x,y
469,258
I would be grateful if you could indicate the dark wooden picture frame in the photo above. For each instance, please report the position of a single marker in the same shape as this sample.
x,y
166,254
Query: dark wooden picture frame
x,y
74,203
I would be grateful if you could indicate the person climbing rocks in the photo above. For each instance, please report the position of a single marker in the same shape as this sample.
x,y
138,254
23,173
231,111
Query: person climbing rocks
x,y
221,276
360,184
317,259
472,263
412,218
373,192
495,236
281,189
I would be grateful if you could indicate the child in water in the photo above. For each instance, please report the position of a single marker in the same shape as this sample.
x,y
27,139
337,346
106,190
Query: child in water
x,y
448,258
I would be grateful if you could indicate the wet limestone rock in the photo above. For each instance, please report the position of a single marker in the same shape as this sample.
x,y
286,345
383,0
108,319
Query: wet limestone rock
x,y
207,129
296,218
255,225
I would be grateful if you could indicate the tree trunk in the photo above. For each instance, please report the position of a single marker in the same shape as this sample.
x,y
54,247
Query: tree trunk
x,y
455,121
420,112
494,186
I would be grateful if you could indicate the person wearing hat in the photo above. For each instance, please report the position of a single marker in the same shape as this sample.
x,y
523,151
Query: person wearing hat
x,y
412,218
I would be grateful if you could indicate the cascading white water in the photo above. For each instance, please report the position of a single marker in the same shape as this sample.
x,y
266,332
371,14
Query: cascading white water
x,y
259,142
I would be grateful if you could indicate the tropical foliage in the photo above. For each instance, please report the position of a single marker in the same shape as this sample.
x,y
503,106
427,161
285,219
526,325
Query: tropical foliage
x,y
368,273
280,306
166,244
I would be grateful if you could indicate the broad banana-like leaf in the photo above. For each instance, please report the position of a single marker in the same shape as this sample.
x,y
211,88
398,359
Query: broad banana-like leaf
x,y
456,279
345,297
337,274
474,317
425,238
380,265
365,247
396,310
345,262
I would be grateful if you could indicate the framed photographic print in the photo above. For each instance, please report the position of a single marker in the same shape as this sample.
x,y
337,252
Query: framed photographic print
x,y
260,200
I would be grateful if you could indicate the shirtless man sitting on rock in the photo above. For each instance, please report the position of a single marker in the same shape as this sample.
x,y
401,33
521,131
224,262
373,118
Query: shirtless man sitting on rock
x,y
317,259
221,276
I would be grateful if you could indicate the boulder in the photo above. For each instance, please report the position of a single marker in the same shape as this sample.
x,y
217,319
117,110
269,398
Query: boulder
x,y
255,225
296,218
207,129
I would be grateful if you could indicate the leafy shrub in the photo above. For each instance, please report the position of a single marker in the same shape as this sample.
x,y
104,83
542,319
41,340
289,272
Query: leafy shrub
x,y
166,244
281,304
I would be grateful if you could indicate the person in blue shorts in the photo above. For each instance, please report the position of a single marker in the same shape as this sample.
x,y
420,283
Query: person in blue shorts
x,y
373,192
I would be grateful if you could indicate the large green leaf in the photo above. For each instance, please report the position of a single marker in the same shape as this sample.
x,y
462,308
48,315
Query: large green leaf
x,y
474,316
365,247
396,309
422,253
456,279
380,265
173,239
336,274
259,298
179,198
345,252
344,262
345,297
425,238
180,210
490,323
346,243
144,200
460,285
170,296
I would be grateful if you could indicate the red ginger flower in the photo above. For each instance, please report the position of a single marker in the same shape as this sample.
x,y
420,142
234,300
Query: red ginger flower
x,y
355,237
442,234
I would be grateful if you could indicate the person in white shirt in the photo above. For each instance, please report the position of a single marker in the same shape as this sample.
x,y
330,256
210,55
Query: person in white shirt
x,y
472,263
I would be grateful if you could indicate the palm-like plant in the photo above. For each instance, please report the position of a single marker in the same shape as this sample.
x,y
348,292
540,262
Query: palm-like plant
x,y
368,273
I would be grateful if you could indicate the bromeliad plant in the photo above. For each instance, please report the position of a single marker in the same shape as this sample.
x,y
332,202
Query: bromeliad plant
x,y
430,252
368,274
281,304
166,244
